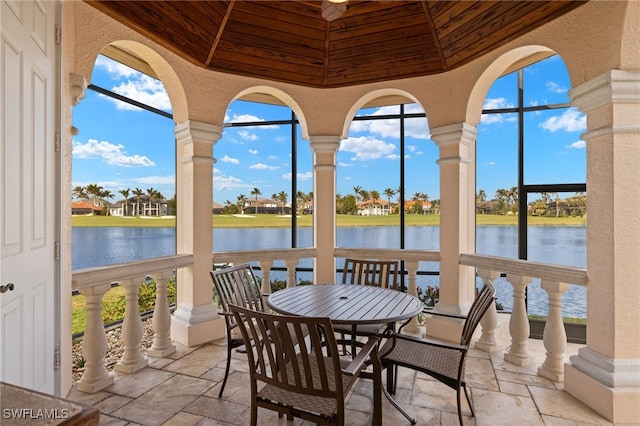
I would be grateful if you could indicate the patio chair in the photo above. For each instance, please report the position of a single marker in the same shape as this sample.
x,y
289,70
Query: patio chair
x,y
299,379
444,361
379,273
235,285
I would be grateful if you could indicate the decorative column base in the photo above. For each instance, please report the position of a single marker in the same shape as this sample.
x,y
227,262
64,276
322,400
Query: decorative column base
x,y
95,386
610,387
195,325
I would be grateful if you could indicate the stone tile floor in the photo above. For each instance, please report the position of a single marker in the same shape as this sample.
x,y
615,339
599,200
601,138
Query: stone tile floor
x,y
182,390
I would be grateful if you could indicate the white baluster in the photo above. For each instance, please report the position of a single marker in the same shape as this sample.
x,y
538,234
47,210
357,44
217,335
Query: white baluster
x,y
292,264
554,336
94,345
162,345
412,269
132,359
518,323
489,321
265,267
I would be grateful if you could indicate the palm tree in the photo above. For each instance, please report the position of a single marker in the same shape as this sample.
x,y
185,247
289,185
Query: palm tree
x,y
389,193
80,192
357,190
105,195
138,193
94,190
256,192
283,198
242,200
125,194
151,192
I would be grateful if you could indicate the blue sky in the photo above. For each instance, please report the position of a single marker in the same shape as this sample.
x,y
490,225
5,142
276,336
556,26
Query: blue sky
x,y
120,146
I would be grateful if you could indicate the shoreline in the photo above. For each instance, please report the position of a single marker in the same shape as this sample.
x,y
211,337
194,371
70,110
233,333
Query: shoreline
x,y
279,221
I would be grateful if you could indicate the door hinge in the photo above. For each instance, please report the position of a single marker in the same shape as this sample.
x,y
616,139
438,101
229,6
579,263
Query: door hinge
x,y
56,358
56,142
58,34
56,251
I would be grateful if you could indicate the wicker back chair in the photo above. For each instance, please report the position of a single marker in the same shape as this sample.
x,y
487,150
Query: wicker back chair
x,y
441,360
299,379
379,273
235,285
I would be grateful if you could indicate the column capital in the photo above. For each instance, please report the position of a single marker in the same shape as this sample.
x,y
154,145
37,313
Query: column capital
x,y
619,86
325,144
458,133
198,131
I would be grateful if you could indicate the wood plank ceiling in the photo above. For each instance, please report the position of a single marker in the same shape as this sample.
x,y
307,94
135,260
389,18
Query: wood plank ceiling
x,y
374,40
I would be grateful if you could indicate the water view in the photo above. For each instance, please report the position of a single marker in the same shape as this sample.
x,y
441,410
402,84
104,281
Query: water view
x,y
563,245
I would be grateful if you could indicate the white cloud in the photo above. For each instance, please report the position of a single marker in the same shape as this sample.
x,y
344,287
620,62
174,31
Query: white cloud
x,y
262,166
249,118
272,157
247,135
417,128
156,180
578,145
115,68
570,121
301,176
227,159
146,90
367,148
253,151
341,164
554,87
497,103
110,153
223,182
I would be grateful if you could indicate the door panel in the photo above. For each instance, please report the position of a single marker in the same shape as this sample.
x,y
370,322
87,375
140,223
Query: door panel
x,y
27,135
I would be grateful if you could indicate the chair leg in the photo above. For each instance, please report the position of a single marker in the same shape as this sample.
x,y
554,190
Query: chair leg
x,y
459,407
466,394
226,371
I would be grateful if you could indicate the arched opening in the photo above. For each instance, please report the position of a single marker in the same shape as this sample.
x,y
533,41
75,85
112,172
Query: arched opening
x,y
531,176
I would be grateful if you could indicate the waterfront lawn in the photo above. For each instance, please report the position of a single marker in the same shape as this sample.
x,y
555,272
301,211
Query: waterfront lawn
x,y
282,221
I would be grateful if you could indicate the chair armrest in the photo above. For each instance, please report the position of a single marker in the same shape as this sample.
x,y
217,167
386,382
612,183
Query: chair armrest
x,y
431,342
360,360
440,314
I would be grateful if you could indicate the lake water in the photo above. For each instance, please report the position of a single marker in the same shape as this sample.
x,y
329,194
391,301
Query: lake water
x,y
563,245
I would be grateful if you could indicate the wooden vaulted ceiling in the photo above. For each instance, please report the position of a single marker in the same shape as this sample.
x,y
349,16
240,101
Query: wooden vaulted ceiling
x,y
374,40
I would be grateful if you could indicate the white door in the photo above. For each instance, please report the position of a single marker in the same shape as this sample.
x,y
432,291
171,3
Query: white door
x,y
28,161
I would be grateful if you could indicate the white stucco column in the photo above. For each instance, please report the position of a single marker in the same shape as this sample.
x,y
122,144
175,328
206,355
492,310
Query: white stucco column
x,y
324,207
457,225
606,373
194,321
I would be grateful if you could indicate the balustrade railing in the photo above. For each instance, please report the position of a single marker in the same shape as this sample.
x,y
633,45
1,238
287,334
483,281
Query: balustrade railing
x,y
93,284
555,281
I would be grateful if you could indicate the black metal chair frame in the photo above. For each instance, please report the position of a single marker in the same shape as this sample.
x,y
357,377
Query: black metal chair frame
x,y
299,379
235,285
429,356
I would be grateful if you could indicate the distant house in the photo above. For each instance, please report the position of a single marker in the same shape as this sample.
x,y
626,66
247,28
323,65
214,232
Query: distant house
x,y
427,207
142,206
79,208
216,208
374,208
265,206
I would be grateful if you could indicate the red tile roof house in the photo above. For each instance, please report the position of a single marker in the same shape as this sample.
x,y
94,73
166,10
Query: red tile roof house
x,y
85,208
